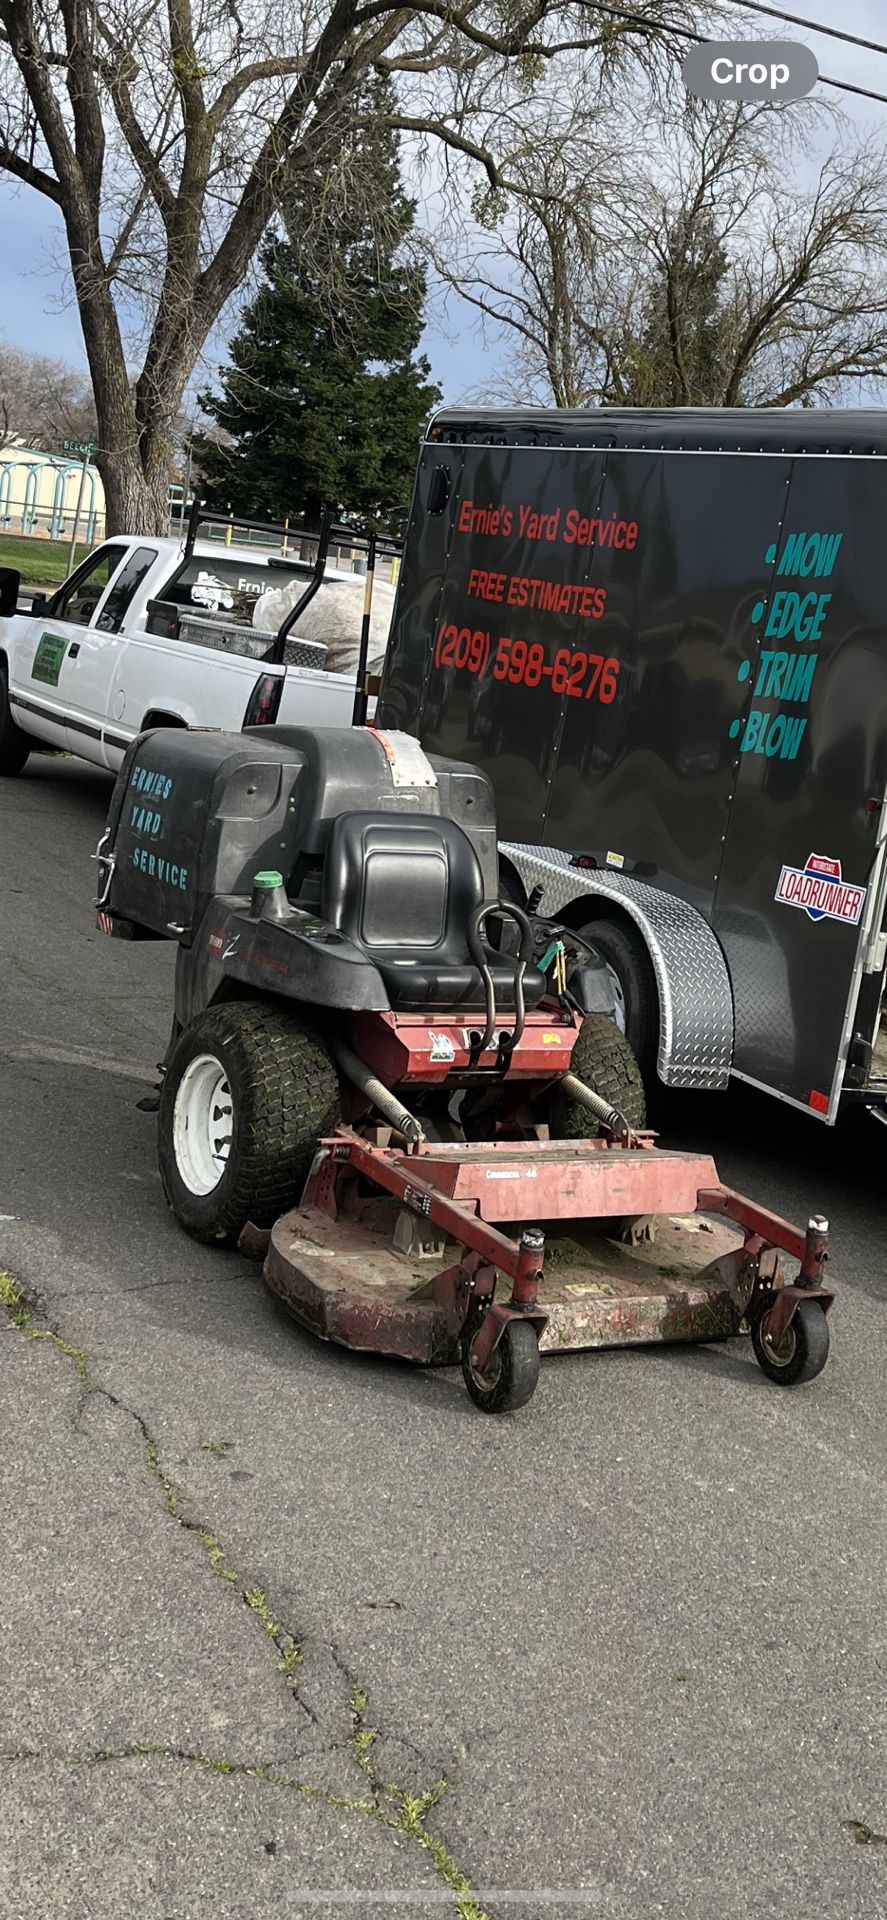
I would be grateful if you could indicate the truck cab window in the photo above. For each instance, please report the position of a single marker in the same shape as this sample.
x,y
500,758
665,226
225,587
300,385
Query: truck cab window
x,y
224,585
126,585
78,598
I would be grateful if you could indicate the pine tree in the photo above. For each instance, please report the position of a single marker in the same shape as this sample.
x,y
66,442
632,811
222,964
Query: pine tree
x,y
325,397
679,358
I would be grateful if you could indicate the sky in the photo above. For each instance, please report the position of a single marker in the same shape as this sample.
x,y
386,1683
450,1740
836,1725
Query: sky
x,y
36,310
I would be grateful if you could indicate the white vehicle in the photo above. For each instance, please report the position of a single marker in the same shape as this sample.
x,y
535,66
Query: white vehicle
x,y
159,632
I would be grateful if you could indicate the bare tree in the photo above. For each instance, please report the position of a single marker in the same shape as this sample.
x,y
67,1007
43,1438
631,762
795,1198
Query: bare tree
x,y
43,401
168,132
689,269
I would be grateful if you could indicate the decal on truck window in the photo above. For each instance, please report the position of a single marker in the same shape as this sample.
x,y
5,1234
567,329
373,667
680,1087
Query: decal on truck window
x,y
821,891
48,659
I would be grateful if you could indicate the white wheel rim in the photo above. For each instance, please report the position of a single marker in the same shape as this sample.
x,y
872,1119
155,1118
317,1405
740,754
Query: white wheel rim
x,y
203,1123
618,993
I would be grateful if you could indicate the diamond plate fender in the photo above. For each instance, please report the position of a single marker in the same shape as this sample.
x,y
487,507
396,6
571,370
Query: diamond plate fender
x,y
695,997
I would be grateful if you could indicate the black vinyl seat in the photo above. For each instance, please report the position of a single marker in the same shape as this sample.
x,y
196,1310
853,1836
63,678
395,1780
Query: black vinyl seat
x,y
404,887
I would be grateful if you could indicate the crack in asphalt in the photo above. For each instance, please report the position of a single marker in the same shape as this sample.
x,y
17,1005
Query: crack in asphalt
x,y
211,1762
389,1805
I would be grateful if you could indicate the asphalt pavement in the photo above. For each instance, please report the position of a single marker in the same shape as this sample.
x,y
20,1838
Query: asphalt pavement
x,y
292,1633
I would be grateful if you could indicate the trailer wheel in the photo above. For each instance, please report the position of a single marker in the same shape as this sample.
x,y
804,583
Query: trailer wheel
x,y
14,745
603,1058
513,1374
634,985
248,1091
803,1351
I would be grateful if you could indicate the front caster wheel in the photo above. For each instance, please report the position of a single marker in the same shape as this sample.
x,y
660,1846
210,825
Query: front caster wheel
x,y
513,1372
802,1351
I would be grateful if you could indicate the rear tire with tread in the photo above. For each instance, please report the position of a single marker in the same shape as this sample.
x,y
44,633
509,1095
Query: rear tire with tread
x,y
284,1095
603,1058
628,960
15,746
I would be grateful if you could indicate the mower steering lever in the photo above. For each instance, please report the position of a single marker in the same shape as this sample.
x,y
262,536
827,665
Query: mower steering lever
x,y
476,935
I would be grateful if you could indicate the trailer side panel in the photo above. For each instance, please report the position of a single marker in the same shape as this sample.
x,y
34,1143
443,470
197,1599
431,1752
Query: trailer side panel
x,y
811,750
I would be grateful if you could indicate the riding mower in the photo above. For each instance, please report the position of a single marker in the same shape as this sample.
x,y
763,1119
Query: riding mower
x,y
412,1096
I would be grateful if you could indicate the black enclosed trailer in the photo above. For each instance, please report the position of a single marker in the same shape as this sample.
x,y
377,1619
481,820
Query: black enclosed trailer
x,y
664,636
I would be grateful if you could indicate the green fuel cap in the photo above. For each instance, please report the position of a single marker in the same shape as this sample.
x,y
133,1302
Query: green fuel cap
x,y
265,881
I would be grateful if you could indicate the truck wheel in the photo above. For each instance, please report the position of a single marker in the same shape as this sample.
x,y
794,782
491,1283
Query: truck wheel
x,y
248,1092
602,1058
634,985
14,745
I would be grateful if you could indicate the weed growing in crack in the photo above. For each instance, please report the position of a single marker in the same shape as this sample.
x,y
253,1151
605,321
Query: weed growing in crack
x,y
414,1812
14,1302
291,1655
290,1661
363,1739
256,1601
215,1554
20,1313
362,1743
168,1490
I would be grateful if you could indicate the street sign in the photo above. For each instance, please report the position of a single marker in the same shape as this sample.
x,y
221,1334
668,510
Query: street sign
x,y
84,449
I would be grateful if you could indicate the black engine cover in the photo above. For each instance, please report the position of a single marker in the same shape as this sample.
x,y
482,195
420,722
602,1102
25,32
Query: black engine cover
x,y
194,815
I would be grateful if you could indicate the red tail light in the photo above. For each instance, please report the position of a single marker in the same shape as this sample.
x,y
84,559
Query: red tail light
x,y
264,701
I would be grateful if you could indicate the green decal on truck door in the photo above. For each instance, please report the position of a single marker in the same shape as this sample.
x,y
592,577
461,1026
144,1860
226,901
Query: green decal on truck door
x,y
48,659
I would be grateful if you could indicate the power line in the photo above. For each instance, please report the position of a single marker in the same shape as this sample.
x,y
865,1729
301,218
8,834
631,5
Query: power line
x,y
702,40
814,26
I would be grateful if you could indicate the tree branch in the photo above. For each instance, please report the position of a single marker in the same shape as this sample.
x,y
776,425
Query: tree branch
x,y
186,69
231,92
257,198
30,176
118,72
89,131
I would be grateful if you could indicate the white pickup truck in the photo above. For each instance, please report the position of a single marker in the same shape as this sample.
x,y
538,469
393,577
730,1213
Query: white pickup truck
x,y
129,641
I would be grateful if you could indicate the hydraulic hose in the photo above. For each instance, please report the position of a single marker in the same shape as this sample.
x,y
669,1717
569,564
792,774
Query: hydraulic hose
x,y
476,934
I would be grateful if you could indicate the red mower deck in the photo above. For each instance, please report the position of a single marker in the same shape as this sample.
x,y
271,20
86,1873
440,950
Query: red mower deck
x,y
430,1254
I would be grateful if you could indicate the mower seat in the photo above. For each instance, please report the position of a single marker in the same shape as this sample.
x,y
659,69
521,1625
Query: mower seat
x,y
403,887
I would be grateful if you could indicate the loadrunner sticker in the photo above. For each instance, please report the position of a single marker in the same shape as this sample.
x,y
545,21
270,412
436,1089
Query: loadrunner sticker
x,y
820,891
